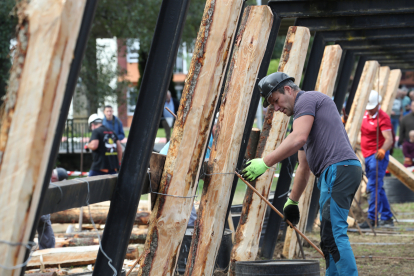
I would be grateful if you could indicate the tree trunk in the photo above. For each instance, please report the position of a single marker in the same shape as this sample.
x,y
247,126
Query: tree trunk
x,y
248,52
353,125
325,84
273,133
190,136
34,98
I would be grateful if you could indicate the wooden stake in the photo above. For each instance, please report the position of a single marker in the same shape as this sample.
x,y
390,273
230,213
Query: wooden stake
x,y
189,139
46,39
382,80
280,214
401,172
389,97
353,125
248,53
325,84
273,133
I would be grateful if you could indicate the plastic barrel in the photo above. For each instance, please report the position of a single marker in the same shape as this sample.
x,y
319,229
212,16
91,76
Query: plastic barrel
x,y
223,255
396,191
278,267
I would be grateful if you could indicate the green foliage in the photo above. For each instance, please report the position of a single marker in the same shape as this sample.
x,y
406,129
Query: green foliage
x,y
273,66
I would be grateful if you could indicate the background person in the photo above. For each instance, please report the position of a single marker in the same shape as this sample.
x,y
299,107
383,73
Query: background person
x,y
167,120
375,118
408,150
113,123
406,125
105,146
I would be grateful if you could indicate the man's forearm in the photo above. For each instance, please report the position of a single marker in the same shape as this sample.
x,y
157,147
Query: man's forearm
x,y
287,148
300,182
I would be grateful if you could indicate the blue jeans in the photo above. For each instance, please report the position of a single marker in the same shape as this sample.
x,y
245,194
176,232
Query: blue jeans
x,y
338,185
371,169
395,122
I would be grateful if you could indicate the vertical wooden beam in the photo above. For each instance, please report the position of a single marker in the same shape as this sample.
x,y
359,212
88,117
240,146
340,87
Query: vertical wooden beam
x,y
325,84
274,129
248,52
381,82
392,86
353,125
189,139
47,35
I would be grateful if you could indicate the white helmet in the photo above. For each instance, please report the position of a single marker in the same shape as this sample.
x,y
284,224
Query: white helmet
x,y
94,118
374,100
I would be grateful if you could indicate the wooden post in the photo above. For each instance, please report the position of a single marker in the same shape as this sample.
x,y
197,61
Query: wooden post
x,y
46,39
401,172
273,133
392,86
353,125
171,212
381,82
248,52
325,84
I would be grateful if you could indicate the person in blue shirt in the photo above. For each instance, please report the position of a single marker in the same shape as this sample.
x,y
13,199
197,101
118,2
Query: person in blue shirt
x,y
167,120
113,123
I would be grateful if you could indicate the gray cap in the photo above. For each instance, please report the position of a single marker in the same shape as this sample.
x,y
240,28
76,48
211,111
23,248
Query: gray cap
x,y
271,83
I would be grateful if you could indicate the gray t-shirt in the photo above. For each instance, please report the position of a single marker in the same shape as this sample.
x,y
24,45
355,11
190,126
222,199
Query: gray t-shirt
x,y
327,142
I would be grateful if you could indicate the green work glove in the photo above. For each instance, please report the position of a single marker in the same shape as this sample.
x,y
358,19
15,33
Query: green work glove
x,y
254,168
291,211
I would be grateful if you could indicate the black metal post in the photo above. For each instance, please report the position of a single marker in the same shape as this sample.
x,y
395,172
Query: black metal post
x,y
71,133
142,134
313,206
314,63
273,225
355,82
255,101
85,28
343,81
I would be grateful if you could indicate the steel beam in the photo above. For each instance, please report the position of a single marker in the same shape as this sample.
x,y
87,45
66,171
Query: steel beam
x,y
343,80
142,134
388,51
307,8
357,22
273,224
377,44
314,62
355,35
355,82
87,19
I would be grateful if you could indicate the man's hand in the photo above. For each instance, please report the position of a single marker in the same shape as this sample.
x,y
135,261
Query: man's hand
x,y
291,211
380,154
254,168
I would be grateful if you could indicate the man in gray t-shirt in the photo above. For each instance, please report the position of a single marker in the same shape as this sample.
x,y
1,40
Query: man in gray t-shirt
x,y
318,130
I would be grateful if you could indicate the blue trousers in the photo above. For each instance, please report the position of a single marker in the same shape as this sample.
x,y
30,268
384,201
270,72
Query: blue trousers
x,y
338,185
383,205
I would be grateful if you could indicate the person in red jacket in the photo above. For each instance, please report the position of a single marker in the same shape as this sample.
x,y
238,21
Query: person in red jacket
x,y
376,126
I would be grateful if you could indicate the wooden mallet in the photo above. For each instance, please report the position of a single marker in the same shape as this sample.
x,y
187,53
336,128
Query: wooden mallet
x,y
280,214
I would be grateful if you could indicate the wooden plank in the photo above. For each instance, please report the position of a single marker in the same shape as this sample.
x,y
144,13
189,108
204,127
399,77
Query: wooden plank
x,y
389,97
353,125
401,172
190,136
248,52
326,81
73,256
381,82
46,39
274,129
137,235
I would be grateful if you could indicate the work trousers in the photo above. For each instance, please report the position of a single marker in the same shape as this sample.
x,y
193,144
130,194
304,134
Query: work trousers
x,y
383,206
338,185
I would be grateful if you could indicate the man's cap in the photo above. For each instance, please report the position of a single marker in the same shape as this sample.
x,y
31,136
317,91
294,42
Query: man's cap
x,y
373,100
271,83
94,118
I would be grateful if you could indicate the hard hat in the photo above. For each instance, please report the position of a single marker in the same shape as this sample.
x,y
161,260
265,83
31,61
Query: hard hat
x,y
94,118
271,83
62,174
374,100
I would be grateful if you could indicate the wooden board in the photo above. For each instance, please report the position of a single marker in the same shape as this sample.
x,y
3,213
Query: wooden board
x,y
399,171
73,256
326,81
353,125
274,130
248,52
392,86
381,82
190,136
46,39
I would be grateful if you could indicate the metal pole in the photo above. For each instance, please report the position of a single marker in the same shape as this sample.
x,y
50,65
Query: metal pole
x,y
255,101
273,224
155,81
313,206
314,63
348,62
86,25
355,82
